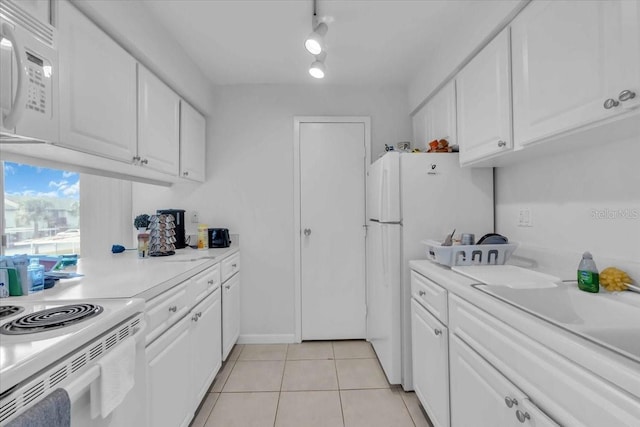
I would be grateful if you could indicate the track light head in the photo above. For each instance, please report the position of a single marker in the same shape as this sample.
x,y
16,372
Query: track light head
x,y
315,42
317,68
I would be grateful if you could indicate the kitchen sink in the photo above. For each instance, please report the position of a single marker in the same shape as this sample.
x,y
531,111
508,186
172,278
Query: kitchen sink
x,y
609,319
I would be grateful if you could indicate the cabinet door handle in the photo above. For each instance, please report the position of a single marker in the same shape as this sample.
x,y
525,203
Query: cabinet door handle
x,y
510,402
626,95
144,161
437,332
502,143
185,173
199,314
234,265
422,293
135,159
307,232
173,308
194,318
522,416
610,103
210,282
228,287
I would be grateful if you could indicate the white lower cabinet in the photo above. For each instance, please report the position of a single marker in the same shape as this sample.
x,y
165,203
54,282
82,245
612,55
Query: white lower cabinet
x,y
430,364
206,343
230,314
184,344
482,397
169,401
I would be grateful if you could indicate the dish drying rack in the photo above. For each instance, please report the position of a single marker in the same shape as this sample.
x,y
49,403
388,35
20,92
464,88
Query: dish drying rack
x,y
468,254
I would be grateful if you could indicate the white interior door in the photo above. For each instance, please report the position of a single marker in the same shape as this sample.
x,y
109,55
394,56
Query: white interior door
x,y
332,239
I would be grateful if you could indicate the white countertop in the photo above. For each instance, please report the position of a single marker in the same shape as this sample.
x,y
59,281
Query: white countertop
x,y
124,275
619,370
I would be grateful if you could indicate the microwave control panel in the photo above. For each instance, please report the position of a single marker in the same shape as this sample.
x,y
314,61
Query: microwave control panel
x,y
39,84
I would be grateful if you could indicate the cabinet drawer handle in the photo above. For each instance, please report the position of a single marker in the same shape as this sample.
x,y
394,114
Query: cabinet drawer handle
x,y
422,293
522,416
210,282
610,103
626,95
502,143
173,308
437,332
510,402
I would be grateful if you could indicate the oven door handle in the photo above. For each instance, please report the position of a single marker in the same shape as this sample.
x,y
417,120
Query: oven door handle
x,y
18,106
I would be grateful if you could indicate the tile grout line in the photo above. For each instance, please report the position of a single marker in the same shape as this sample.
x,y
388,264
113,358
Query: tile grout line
x,y
284,367
404,402
335,365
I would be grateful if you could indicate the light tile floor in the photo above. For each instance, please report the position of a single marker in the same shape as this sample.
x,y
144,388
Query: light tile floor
x,y
313,384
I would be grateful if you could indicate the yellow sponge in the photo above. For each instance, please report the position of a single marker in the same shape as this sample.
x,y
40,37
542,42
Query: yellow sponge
x,y
614,279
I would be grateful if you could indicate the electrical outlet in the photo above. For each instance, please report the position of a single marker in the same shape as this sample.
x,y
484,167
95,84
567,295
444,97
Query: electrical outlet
x,y
194,217
525,218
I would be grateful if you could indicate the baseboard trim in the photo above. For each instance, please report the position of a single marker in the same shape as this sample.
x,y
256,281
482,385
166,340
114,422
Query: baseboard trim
x,y
267,339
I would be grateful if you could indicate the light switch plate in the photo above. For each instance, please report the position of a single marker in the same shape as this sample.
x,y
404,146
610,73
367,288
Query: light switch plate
x,y
525,218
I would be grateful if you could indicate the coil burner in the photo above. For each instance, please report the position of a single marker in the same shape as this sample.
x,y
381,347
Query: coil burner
x,y
53,318
10,310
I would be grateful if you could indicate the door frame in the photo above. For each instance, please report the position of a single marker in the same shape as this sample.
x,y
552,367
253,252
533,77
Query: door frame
x,y
297,262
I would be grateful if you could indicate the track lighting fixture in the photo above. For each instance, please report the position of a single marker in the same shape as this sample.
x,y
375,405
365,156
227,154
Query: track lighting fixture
x,y
315,45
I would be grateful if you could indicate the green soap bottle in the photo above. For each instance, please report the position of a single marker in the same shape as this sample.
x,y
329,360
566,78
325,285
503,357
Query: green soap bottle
x,y
588,277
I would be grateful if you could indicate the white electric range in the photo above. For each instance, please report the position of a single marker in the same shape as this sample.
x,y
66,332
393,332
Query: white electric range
x,y
46,345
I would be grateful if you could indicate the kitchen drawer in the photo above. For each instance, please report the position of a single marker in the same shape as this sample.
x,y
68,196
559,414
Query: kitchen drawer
x,y
570,394
165,310
203,284
230,266
430,295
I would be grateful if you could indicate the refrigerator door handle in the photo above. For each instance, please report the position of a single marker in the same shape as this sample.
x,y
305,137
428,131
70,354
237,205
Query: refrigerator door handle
x,y
385,255
383,192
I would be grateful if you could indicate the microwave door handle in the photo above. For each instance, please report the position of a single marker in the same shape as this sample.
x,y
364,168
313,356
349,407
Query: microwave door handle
x,y
18,106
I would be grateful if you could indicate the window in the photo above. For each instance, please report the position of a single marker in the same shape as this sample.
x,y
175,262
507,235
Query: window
x,y
41,210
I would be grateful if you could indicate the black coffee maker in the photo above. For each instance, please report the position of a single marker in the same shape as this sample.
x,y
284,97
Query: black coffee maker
x,y
178,214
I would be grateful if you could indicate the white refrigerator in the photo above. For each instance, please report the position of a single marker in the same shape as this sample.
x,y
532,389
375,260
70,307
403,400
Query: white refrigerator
x,y
412,197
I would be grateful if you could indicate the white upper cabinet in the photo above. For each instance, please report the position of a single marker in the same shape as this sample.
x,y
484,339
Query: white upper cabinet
x,y
441,115
158,124
192,143
97,89
572,63
483,91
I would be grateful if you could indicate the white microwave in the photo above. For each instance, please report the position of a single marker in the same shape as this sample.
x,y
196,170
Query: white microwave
x,y
28,77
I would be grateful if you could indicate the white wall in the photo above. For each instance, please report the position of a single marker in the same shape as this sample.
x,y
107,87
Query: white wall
x,y
249,187
567,195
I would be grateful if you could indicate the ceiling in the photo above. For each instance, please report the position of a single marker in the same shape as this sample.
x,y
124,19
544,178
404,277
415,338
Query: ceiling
x,y
369,42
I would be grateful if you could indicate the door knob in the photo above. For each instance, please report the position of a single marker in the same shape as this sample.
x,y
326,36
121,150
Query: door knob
x,y
626,95
610,103
522,416
510,402
307,232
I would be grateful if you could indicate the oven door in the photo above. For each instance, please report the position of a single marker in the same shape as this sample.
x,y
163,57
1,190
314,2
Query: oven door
x,y
78,374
